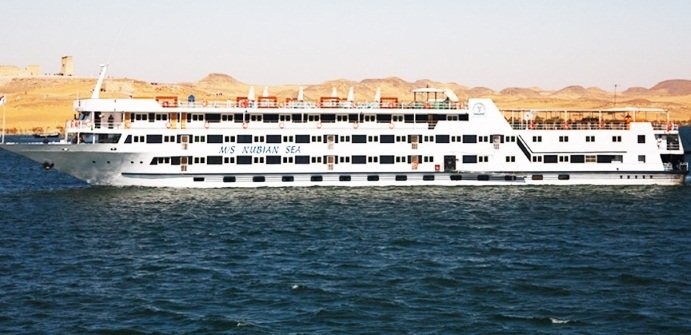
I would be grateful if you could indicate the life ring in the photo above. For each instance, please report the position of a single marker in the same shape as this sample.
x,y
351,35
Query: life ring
x,y
168,125
355,125
244,125
243,103
427,105
391,125
204,103
566,125
319,125
165,104
415,165
206,124
669,126
281,125
601,124
531,124
128,124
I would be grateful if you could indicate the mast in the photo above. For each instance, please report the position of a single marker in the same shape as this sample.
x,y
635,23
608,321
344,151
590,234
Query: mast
x,y
99,82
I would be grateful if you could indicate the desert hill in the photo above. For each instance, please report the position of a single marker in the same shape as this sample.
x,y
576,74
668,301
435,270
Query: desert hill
x,y
44,103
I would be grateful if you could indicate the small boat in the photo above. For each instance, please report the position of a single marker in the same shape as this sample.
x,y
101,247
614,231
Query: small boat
x,y
47,135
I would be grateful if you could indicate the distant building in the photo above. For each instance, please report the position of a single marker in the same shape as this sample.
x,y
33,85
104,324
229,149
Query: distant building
x,y
66,66
16,71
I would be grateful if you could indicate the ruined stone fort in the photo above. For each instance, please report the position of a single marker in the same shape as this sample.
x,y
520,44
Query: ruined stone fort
x,y
66,69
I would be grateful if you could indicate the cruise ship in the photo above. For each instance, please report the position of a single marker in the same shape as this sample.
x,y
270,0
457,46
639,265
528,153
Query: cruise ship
x,y
434,139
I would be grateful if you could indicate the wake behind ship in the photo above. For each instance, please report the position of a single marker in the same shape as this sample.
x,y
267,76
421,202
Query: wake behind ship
x,y
432,140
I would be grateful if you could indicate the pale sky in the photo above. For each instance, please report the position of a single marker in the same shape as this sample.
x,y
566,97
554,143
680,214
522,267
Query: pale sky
x,y
493,43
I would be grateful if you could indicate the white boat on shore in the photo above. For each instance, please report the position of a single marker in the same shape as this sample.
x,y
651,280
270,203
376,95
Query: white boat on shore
x,y
435,139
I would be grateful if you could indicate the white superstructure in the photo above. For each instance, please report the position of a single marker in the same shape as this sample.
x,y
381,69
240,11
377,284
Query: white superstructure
x,y
432,140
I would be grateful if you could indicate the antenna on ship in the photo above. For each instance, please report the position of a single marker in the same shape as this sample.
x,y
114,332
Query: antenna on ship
x,y
615,95
99,82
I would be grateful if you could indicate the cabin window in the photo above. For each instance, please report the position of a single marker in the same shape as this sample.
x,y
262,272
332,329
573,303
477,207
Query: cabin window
x,y
273,159
537,159
616,138
510,159
273,138
590,159
213,118
537,138
577,159
641,158
469,159
199,160
563,138
288,139
456,177
386,159
641,138
229,139
214,139
302,139
302,159
344,178
154,138
428,177
373,178
214,160
287,160
198,179
316,159
549,159
564,177
359,139
536,177
287,179
227,117
229,160
316,178
258,160
442,139
244,138
244,160
469,138
359,159
590,138
371,138
258,179
229,179
373,159
386,139
563,159
401,177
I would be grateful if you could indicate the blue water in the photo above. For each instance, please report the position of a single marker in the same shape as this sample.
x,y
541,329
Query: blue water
x,y
418,260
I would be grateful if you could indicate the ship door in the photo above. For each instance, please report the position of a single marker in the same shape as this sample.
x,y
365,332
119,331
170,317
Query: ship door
x,y
449,163
183,164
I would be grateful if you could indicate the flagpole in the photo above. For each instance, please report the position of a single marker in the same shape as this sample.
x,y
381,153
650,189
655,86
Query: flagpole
x,y
4,109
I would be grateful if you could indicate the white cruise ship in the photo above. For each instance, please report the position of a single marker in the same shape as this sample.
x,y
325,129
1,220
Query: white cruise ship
x,y
432,140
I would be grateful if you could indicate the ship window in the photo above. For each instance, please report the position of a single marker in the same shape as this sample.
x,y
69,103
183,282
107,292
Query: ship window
x,y
256,117
373,178
564,177
590,158
590,138
287,179
227,117
316,178
273,138
370,138
230,138
483,159
510,159
483,177
229,160
428,177
469,159
198,179
641,158
359,139
442,139
359,159
215,118
564,159
244,160
284,117
401,177
273,159
563,138
577,159
616,138
199,160
456,139
128,139
287,160
386,159
345,138
302,159
537,138
386,139
258,179
537,159
536,177
302,139
259,139
175,160
509,178
344,178
373,159
214,139
154,138
316,159
456,177
229,179
258,160
469,138
214,160
641,138
244,138
550,159
198,139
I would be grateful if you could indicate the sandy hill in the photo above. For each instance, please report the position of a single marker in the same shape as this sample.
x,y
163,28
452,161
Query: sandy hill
x,y
44,103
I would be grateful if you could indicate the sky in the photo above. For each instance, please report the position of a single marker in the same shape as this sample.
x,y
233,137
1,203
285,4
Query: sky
x,y
548,44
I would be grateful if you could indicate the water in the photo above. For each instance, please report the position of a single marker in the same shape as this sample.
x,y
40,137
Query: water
x,y
516,260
